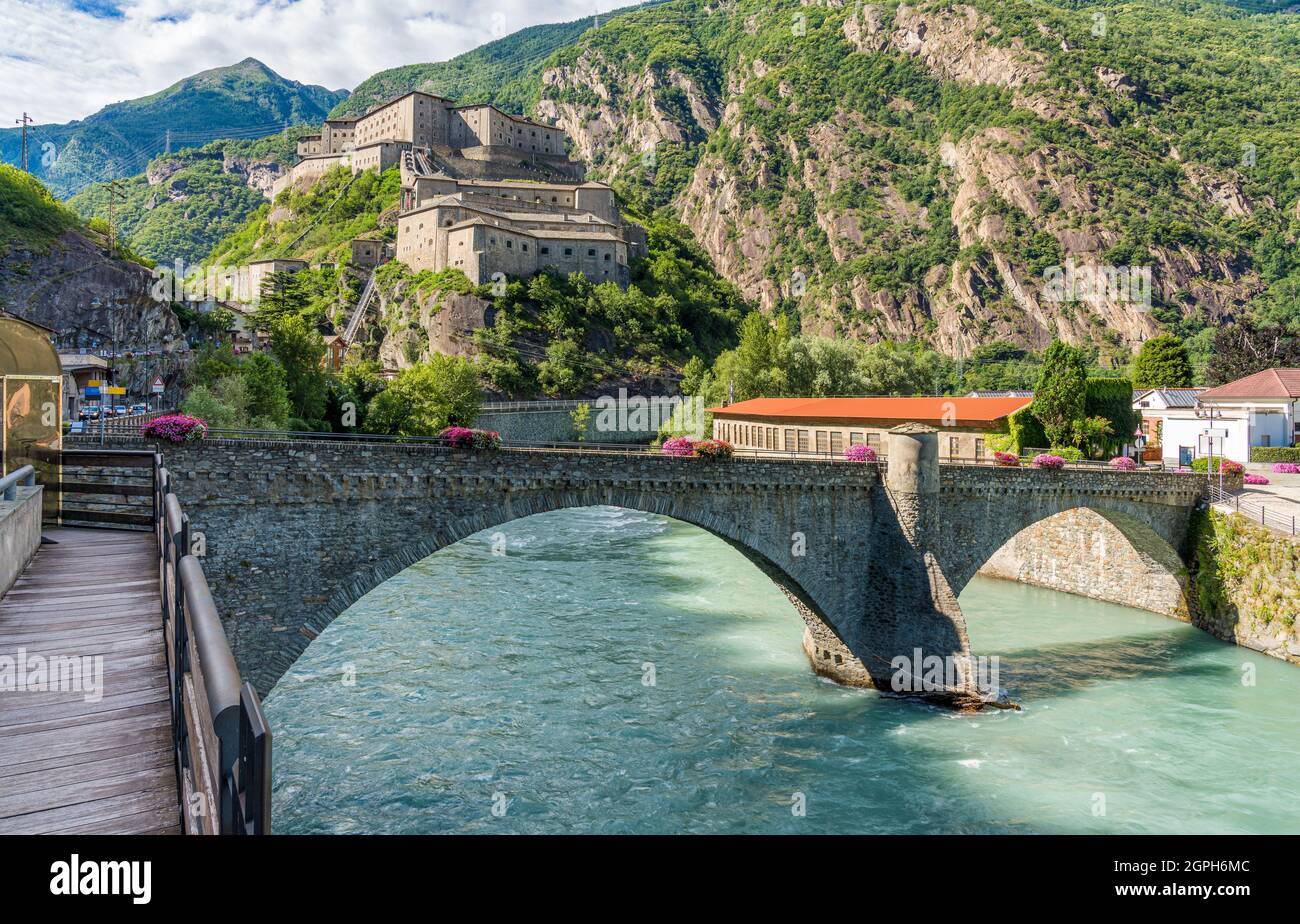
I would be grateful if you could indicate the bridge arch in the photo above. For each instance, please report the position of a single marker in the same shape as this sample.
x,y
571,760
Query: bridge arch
x,y
1100,553
822,638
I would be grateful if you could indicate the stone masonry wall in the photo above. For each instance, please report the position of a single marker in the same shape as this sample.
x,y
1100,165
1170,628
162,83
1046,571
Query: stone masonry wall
x,y
1081,552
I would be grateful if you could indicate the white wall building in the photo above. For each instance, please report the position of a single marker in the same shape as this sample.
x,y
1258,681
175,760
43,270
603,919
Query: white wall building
x,y
1258,410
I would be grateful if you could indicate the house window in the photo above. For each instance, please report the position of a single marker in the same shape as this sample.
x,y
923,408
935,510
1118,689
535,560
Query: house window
x,y
855,439
953,447
803,440
1267,440
823,441
837,442
979,448
789,441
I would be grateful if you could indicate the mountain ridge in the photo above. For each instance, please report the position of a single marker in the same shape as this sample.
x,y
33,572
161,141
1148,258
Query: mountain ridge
x,y
246,99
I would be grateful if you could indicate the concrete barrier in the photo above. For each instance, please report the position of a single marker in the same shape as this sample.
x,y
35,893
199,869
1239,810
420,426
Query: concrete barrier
x,y
20,534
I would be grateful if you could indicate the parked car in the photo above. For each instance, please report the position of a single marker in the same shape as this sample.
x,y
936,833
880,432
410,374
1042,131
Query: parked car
x,y
119,410
90,412
139,409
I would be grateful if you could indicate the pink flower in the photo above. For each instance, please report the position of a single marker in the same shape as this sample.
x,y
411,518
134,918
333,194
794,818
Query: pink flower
x,y
860,452
1123,464
1047,460
1286,468
1010,460
1254,479
175,428
679,446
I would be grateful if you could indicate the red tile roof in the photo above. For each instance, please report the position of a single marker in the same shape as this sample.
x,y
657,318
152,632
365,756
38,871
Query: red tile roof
x,y
951,412
1271,383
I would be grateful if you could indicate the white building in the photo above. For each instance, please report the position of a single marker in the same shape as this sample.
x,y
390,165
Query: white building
x,y
1258,410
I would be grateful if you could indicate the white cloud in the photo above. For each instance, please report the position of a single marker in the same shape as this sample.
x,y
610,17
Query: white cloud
x,y
63,63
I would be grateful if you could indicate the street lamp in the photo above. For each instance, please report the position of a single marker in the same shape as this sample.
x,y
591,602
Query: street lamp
x,y
1210,414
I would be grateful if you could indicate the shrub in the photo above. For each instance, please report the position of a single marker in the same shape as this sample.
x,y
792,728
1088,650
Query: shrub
x,y
1229,467
1123,464
715,449
176,428
679,446
1046,460
1254,479
1275,454
1068,453
465,438
1286,468
860,452
1010,460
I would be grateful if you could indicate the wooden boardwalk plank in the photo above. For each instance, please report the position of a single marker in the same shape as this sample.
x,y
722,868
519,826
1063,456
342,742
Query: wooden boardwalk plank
x,y
70,764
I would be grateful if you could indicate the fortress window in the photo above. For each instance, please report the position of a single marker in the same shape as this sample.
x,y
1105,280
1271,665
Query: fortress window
x,y
591,251
510,243
523,247
606,258
568,251
553,198
546,250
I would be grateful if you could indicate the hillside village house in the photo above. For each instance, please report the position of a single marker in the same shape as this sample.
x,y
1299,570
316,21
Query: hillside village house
x,y
1153,405
1259,410
830,425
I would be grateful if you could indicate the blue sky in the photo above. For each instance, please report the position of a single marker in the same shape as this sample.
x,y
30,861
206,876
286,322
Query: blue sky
x,y
64,59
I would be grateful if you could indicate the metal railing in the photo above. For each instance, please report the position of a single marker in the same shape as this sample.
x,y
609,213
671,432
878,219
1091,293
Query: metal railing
x,y
24,477
223,742
1252,511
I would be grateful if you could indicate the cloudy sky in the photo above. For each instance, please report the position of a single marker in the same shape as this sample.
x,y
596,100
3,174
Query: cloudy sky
x,y
64,59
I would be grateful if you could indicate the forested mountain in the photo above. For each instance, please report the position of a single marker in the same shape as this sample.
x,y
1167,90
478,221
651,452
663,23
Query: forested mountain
x,y
184,203
245,100
503,71
892,170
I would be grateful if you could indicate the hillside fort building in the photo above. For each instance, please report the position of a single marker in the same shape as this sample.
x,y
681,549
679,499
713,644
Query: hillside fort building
x,y
483,191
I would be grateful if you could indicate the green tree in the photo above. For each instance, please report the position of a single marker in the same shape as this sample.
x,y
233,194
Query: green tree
x,y
282,294
350,394
268,392
1162,363
1061,391
427,397
301,350
1245,347
223,405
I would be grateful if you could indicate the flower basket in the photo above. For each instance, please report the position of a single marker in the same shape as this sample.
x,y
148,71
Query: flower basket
x,y
1048,461
175,428
678,446
1007,459
1123,464
860,452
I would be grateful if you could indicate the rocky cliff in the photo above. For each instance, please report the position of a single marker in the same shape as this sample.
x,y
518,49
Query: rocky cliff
x,y
955,172
73,285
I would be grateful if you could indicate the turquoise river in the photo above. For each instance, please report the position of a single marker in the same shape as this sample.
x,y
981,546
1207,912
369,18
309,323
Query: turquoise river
x,y
618,672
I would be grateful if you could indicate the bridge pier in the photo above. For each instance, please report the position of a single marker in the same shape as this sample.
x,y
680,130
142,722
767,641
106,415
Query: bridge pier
x,y
914,613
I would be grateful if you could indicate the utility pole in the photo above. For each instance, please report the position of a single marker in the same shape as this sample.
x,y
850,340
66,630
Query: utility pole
x,y
24,122
114,190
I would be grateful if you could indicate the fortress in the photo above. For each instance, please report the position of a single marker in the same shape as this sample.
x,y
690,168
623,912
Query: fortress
x,y
483,191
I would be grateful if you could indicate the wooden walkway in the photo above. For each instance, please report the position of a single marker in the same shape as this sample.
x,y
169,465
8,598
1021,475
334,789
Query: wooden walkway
x,y
71,766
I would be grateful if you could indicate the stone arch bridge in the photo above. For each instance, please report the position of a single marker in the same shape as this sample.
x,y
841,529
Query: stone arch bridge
x,y
872,558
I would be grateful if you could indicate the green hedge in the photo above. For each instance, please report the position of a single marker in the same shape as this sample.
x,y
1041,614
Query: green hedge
x,y
1275,453
1112,398
1026,429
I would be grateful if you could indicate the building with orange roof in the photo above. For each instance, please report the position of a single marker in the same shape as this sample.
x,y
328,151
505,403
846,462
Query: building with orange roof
x,y
830,425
